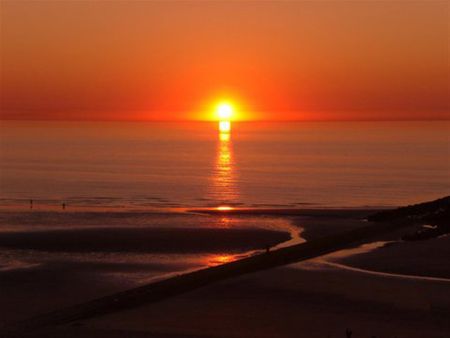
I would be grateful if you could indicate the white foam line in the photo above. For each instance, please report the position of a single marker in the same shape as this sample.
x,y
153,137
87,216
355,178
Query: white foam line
x,y
385,274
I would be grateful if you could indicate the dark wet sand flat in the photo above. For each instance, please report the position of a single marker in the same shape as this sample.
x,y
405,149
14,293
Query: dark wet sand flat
x,y
143,239
63,267
292,301
184,283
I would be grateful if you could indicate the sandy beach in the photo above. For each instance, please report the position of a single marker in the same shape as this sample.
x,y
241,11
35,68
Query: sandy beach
x,y
52,260
300,296
296,301
144,240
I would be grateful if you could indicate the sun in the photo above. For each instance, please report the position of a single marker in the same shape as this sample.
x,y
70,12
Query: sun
x,y
224,111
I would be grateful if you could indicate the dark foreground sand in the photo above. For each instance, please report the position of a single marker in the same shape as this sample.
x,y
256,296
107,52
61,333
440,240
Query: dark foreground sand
x,y
287,302
157,240
294,301
306,299
427,258
423,257
61,281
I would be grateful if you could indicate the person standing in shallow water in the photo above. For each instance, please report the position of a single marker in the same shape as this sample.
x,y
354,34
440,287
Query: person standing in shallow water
x,y
31,204
63,205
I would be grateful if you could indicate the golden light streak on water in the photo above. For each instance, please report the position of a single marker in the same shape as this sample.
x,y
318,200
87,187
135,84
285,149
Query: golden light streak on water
x,y
221,259
223,189
224,126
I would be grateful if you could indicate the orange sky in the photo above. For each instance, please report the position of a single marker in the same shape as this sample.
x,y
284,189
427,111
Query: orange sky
x,y
278,60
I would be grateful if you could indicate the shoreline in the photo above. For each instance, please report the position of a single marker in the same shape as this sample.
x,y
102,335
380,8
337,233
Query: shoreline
x,y
286,210
178,285
256,287
385,274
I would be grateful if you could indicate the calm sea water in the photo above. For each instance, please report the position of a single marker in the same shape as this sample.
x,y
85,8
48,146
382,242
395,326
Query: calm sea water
x,y
166,165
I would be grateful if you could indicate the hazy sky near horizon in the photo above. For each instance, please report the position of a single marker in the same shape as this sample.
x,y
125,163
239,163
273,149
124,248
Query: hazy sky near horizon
x,y
97,60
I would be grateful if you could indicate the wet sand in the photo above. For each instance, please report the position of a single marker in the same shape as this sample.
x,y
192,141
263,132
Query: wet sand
x,y
187,282
306,299
293,301
422,258
426,258
144,240
296,301
107,261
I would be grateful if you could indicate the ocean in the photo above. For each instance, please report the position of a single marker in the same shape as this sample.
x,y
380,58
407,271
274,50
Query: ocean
x,y
142,166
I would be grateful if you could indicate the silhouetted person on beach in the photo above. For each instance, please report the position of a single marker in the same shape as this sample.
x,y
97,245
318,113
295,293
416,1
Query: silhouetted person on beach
x,y
348,333
31,204
64,206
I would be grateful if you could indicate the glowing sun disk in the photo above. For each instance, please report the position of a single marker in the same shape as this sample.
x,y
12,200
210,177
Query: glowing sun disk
x,y
224,111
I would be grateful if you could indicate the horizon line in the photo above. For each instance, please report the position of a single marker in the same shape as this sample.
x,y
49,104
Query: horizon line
x,y
233,121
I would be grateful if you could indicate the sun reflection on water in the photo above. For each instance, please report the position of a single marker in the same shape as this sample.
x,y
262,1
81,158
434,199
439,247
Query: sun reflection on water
x,y
224,208
224,137
221,259
224,127
223,190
